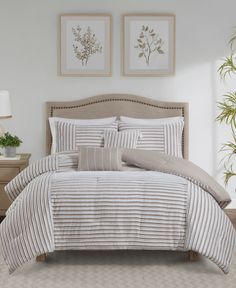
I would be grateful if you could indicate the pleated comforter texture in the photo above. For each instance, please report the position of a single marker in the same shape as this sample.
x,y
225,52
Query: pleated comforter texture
x,y
56,207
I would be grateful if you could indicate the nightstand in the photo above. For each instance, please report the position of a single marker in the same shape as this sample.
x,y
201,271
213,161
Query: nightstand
x,y
8,170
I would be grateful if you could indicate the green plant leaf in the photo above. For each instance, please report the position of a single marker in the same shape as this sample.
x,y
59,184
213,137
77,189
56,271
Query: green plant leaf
x,y
228,109
8,140
228,67
232,40
229,172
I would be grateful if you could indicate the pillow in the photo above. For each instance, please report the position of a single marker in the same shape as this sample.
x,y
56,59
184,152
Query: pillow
x,y
82,122
99,159
150,121
71,136
164,137
124,139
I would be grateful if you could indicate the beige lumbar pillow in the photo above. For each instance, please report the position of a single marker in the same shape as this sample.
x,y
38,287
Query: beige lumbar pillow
x,y
99,159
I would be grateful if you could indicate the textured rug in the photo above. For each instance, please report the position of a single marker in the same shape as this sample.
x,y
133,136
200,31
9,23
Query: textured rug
x,y
118,269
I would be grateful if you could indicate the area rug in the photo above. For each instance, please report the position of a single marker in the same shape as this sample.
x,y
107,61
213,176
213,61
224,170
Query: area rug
x,y
118,269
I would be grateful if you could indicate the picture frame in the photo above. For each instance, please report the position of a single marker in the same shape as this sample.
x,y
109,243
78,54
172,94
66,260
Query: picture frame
x,y
85,44
148,46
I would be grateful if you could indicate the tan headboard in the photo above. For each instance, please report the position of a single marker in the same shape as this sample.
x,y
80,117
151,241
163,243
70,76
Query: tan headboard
x,y
117,105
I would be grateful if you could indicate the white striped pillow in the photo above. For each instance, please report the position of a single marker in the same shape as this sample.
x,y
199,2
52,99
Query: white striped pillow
x,y
99,159
125,139
82,122
71,136
164,137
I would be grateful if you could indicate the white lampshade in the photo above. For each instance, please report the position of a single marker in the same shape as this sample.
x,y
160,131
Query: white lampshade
x,y
5,104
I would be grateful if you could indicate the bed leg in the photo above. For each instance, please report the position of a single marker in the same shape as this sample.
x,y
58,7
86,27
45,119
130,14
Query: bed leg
x,y
193,256
41,258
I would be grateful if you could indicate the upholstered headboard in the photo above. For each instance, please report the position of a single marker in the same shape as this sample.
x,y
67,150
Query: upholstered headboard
x,y
117,105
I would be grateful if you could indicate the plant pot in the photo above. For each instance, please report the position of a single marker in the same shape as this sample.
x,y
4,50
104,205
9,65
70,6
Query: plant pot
x,y
10,151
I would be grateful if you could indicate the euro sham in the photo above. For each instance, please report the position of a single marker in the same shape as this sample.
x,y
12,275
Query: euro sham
x,y
71,136
150,121
165,137
82,122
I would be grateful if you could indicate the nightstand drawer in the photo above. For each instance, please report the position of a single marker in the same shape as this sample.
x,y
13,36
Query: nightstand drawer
x,y
8,173
4,200
8,170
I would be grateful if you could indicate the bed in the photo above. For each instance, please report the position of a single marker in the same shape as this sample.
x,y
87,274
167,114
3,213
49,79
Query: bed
x,y
169,204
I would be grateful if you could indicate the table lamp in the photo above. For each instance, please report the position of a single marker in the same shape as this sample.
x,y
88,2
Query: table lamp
x,y
5,108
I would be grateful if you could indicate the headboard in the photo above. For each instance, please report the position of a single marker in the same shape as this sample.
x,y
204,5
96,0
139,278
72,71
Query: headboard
x,y
116,105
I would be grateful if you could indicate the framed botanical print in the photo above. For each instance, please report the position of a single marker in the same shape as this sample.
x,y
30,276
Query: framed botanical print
x,y
85,45
148,45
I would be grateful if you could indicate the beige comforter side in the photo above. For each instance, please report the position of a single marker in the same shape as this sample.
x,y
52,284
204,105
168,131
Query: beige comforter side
x,y
156,161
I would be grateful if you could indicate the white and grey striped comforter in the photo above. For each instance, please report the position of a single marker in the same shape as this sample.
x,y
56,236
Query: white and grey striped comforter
x,y
56,207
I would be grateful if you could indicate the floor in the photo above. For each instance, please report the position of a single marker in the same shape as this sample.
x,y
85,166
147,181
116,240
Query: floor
x,y
118,269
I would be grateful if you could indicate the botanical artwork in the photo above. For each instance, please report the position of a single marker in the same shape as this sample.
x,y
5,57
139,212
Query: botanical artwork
x,y
148,43
85,45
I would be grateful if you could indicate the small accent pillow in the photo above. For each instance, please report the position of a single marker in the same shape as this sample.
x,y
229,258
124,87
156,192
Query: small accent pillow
x,y
125,139
99,159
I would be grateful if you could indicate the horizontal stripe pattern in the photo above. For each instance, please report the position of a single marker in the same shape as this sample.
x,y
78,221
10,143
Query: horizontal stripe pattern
x,y
209,231
67,161
70,136
46,164
102,200
166,138
27,231
118,211
124,139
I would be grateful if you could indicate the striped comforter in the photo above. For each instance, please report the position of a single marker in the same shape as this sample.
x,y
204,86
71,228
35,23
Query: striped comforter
x,y
56,207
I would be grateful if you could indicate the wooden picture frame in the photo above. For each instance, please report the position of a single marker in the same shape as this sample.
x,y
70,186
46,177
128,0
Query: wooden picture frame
x,y
85,44
148,46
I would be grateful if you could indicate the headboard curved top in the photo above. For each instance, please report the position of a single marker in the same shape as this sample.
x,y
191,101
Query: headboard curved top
x,y
118,105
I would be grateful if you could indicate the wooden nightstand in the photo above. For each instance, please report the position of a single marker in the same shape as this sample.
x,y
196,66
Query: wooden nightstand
x,y
8,170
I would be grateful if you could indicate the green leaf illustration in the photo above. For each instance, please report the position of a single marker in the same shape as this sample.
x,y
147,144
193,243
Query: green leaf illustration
x,y
148,42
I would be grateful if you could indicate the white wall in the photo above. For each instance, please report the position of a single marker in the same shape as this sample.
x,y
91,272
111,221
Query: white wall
x,y
28,65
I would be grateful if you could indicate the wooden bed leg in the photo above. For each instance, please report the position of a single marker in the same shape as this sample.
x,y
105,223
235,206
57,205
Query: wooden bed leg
x,y
193,256
41,258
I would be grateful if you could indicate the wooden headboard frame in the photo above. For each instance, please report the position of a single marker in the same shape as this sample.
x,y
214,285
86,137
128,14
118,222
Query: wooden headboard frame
x,y
116,105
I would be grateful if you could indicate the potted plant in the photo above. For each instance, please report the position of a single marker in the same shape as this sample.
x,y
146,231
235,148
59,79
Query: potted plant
x,y
9,143
228,108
